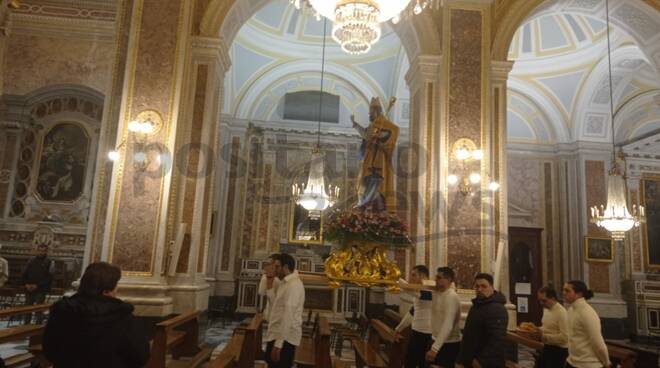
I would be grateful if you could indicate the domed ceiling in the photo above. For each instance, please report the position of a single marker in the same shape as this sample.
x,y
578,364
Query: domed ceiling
x,y
559,87
279,50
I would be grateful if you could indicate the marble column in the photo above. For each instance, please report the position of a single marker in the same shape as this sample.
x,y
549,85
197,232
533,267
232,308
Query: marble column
x,y
154,79
194,164
466,114
425,196
498,210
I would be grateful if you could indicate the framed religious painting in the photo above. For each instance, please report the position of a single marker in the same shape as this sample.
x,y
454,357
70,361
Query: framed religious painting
x,y
63,163
303,227
599,249
650,188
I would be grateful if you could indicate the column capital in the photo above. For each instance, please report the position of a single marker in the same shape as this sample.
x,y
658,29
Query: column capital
x,y
424,68
213,48
500,69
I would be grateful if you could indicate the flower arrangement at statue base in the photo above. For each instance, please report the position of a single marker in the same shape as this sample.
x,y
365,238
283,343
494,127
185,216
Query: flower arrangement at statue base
x,y
364,235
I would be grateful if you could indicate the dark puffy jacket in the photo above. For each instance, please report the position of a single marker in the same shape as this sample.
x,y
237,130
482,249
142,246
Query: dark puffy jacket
x,y
94,331
37,272
484,335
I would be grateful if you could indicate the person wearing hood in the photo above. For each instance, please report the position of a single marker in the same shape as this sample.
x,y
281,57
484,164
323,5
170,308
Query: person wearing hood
x,y
93,328
484,334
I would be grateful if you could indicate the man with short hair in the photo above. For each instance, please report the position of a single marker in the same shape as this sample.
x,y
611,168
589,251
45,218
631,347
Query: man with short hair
x,y
554,329
484,335
445,321
93,328
37,279
286,314
268,284
419,317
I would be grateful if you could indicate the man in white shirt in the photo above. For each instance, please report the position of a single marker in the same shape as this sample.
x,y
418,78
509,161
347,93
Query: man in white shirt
x,y
286,314
268,284
419,317
445,321
554,329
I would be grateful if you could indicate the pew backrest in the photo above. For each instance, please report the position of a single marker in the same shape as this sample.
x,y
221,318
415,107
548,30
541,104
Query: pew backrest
x,y
178,335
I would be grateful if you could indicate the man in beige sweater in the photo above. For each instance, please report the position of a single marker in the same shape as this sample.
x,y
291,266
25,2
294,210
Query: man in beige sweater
x,y
554,329
586,346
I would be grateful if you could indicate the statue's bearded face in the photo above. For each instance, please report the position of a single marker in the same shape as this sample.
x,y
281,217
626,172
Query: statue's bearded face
x,y
374,111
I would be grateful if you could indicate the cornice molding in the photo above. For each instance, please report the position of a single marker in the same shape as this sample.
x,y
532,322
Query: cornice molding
x,y
423,68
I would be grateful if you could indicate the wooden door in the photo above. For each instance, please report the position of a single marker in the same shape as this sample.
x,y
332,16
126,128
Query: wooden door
x,y
525,269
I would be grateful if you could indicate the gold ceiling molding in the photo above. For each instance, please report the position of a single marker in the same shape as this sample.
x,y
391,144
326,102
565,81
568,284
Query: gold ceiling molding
x,y
509,15
654,3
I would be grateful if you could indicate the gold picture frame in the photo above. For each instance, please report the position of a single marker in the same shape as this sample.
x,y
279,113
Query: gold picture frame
x,y
599,250
649,219
303,229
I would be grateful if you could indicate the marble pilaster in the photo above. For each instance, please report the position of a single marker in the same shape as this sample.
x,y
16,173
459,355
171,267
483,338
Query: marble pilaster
x,y
424,190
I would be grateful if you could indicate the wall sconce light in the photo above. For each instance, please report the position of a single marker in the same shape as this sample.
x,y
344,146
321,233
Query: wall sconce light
x,y
146,123
465,151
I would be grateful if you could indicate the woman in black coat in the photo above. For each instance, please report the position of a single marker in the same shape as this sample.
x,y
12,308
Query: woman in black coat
x,y
93,328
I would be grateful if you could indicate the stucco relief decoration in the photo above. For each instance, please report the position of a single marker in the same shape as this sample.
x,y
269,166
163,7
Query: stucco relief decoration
x,y
44,235
5,176
63,163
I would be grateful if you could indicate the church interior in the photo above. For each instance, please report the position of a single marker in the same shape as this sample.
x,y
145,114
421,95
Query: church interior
x,y
181,141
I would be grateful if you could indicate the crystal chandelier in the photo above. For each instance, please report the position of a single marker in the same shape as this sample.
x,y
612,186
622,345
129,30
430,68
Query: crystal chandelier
x,y
615,217
356,23
313,196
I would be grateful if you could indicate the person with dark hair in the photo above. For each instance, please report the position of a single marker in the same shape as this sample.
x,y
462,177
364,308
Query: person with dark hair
x,y
553,331
93,328
285,326
445,321
37,278
419,317
484,334
269,283
586,346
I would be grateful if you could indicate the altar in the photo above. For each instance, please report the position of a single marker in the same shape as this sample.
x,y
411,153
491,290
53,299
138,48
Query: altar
x,y
334,304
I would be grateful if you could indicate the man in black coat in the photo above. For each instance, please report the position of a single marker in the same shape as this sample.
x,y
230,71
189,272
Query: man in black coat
x,y
484,335
37,278
93,328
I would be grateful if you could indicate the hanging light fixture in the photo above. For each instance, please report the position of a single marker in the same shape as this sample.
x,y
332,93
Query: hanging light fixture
x,y
313,196
356,23
615,217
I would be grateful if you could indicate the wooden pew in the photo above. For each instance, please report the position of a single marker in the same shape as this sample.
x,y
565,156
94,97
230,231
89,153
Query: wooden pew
x,y
19,333
368,353
391,317
315,350
625,357
243,348
179,336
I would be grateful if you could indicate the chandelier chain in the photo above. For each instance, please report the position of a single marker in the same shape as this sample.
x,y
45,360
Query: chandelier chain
x,y
609,64
318,133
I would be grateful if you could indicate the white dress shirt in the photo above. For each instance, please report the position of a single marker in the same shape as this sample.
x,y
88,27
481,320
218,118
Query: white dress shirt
x,y
269,293
419,315
286,312
586,347
446,318
554,326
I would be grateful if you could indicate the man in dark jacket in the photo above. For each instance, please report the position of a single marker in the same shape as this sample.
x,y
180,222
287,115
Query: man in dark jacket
x,y
484,335
37,278
93,328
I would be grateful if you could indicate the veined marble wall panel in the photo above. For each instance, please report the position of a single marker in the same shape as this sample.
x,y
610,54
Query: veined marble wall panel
x,y
525,190
230,218
34,62
134,236
596,189
465,120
